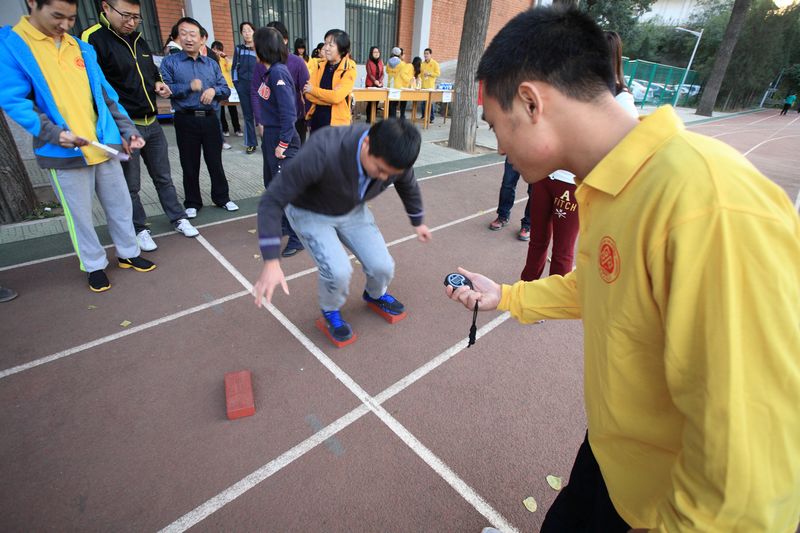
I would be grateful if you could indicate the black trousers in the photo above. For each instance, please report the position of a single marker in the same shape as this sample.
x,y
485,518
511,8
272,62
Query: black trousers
x,y
196,133
302,129
234,112
583,506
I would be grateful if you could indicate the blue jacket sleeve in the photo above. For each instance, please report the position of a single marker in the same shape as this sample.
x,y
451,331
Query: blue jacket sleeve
x,y
235,65
284,93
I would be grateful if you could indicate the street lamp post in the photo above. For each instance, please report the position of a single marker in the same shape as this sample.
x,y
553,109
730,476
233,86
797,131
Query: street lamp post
x,y
697,34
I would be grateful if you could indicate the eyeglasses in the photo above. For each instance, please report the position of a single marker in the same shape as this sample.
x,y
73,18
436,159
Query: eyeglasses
x,y
126,16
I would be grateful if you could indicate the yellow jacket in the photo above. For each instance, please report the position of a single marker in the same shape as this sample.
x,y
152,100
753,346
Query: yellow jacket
x,y
433,71
225,66
339,96
401,76
688,284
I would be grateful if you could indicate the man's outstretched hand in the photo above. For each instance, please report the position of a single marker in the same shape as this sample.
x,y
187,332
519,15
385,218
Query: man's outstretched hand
x,y
485,291
271,277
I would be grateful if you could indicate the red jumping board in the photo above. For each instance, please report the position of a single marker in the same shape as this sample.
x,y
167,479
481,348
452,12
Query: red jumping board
x,y
322,326
391,319
239,395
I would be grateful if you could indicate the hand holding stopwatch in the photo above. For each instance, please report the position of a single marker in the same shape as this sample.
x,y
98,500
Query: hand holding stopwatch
x,y
457,280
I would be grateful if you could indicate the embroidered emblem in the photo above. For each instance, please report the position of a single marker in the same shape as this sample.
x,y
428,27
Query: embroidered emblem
x,y
560,213
263,91
79,62
609,263
281,82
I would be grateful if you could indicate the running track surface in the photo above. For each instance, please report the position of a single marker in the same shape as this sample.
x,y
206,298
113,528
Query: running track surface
x,y
112,428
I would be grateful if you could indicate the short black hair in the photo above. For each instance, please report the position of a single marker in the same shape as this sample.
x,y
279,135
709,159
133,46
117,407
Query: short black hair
x,y
41,3
428,50
203,33
269,46
246,23
114,2
278,25
562,47
217,44
342,40
190,20
395,141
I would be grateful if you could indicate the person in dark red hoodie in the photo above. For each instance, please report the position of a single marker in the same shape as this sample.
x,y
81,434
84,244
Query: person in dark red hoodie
x,y
374,74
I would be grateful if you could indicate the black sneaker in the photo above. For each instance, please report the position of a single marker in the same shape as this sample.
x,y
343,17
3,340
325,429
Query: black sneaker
x,y
98,281
290,251
387,303
137,263
337,327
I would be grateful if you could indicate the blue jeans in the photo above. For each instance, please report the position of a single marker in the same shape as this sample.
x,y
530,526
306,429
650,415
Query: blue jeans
x,y
508,192
243,88
324,235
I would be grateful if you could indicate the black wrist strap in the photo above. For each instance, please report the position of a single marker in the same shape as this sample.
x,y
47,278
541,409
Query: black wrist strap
x,y
473,330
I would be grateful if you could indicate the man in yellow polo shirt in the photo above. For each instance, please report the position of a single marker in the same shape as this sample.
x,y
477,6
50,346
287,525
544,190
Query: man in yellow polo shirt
x,y
688,286
430,72
53,87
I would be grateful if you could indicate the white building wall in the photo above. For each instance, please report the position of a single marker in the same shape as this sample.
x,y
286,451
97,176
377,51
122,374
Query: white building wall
x,y
671,11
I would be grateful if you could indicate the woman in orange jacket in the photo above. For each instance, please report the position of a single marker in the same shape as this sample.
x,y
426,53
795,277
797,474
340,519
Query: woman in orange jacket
x,y
331,82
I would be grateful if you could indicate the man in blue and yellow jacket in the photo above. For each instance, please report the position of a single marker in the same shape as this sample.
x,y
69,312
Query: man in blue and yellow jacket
x,y
54,88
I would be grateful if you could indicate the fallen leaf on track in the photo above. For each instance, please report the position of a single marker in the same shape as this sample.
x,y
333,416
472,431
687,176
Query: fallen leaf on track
x,y
251,231
530,504
125,323
554,482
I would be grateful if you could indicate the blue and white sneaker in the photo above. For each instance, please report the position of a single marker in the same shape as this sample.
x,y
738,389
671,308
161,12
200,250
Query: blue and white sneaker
x,y
337,327
387,303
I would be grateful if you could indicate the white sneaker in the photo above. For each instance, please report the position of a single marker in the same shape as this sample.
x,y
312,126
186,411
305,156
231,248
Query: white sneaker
x,y
185,227
230,206
146,242
226,133
226,146
191,212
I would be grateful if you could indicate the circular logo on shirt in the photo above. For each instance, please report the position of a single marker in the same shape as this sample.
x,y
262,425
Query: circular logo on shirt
x,y
263,91
79,62
608,260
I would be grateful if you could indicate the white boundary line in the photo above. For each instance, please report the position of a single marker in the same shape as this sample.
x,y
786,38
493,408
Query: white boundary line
x,y
761,119
224,221
797,202
109,338
250,481
768,141
450,477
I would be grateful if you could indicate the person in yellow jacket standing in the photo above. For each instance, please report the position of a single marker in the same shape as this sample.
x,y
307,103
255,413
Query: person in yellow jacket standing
x,y
329,88
687,284
430,72
400,76
225,65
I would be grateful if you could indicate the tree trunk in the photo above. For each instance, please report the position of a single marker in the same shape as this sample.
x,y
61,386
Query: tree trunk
x,y
465,116
17,199
711,91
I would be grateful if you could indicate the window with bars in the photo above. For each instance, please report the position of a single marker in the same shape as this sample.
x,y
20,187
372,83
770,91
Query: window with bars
x,y
89,13
371,23
261,12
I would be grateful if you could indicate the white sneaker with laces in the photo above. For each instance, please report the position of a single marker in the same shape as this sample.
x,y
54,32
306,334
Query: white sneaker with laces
x,y
185,227
146,242
230,206
191,212
226,146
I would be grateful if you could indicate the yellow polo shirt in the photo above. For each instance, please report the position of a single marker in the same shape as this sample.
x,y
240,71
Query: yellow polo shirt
x,y
688,283
65,73
432,69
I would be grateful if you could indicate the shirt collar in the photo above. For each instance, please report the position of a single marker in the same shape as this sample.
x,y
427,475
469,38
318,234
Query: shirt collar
x,y
33,33
621,164
361,173
185,57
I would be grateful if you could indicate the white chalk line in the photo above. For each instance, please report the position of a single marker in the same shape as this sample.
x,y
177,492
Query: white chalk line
x,y
445,472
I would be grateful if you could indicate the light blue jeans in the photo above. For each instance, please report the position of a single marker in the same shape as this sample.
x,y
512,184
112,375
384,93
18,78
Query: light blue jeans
x,y
324,237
